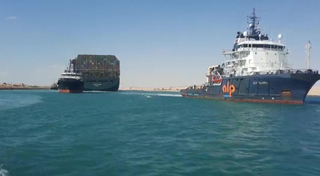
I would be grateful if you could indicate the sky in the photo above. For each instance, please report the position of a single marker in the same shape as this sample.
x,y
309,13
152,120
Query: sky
x,y
159,43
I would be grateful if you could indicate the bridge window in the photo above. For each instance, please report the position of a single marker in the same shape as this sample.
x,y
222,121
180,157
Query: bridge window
x,y
257,46
268,46
261,46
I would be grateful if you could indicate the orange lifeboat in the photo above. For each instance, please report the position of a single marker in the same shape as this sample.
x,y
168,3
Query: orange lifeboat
x,y
216,79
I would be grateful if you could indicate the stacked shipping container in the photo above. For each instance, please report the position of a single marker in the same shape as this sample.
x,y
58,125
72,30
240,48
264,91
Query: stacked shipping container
x,y
107,64
99,72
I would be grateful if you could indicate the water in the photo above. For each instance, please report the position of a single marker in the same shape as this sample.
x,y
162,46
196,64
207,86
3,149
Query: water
x,y
154,133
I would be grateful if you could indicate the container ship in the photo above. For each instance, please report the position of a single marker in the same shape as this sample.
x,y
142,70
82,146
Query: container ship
x,y
70,81
99,72
256,70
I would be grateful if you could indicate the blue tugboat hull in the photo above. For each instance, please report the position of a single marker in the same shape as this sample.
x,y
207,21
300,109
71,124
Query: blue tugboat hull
x,y
290,88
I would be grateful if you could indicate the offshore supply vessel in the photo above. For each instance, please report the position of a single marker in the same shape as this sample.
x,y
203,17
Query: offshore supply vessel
x,y
99,72
70,81
256,70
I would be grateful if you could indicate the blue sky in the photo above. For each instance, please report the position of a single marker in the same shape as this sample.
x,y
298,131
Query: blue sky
x,y
159,43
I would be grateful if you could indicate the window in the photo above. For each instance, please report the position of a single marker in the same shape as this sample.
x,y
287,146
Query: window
x,y
265,46
257,46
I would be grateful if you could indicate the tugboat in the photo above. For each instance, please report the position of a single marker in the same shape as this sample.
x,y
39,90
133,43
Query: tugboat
x,y
54,86
70,81
256,70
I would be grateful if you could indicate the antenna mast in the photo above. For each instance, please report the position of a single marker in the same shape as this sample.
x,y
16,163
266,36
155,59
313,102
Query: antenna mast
x,y
253,22
308,47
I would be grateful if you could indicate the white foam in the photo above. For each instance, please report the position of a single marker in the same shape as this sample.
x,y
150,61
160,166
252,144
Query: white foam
x,y
95,91
150,94
147,96
168,95
3,172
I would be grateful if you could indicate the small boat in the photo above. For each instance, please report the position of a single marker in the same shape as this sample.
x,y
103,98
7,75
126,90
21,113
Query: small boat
x,y
70,81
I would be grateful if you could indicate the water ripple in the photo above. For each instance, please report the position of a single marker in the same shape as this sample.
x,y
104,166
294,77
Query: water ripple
x,y
126,133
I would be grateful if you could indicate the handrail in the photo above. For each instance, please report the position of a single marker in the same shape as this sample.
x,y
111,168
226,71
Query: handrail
x,y
280,71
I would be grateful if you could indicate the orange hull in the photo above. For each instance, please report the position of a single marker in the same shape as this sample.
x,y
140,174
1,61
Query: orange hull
x,y
269,101
250,100
70,91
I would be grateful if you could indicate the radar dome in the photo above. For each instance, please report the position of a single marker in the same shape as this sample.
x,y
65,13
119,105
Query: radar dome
x,y
280,36
250,25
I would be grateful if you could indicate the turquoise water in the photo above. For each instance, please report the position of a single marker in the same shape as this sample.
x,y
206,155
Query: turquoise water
x,y
154,133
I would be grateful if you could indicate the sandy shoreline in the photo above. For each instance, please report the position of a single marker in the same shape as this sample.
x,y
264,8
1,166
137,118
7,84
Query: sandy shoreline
x,y
22,87
169,89
314,91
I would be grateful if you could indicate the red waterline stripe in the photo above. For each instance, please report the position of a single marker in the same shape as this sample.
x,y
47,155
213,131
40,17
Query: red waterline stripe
x,y
70,91
268,101
254,100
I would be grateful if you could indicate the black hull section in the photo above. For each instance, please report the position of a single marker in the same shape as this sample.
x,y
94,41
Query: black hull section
x,y
278,88
101,84
67,85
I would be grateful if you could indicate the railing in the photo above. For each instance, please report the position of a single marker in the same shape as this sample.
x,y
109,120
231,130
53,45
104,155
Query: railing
x,y
244,49
279,71
197,87
70,77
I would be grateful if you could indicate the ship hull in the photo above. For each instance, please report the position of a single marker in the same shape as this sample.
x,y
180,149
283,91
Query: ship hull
x,y
286,88
70,85
101,84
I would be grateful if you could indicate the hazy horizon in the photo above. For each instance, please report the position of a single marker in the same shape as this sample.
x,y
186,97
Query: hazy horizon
x,y
158,43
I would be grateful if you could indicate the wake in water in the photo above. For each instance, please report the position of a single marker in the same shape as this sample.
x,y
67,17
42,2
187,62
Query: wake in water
x,y
150,94
3,172
10,101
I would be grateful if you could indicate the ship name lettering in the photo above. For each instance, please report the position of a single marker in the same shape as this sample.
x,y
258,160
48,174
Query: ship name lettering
x,y
228,89
260,82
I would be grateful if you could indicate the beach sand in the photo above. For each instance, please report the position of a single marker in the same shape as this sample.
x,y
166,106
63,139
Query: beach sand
x,y
314,91
167,89
22,86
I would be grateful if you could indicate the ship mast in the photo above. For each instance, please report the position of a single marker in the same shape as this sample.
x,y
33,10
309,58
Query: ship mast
x,y
308,47
253,22
69,66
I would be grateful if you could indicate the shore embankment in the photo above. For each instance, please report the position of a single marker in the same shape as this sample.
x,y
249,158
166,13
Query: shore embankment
x,y
6,86
314,91
166,89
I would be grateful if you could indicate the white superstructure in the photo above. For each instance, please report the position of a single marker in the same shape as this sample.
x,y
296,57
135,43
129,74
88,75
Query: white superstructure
x,y
71,75
253,54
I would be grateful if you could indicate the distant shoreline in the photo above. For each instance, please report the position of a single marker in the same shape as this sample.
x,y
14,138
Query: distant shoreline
x,y
314,91
152,89
22,86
